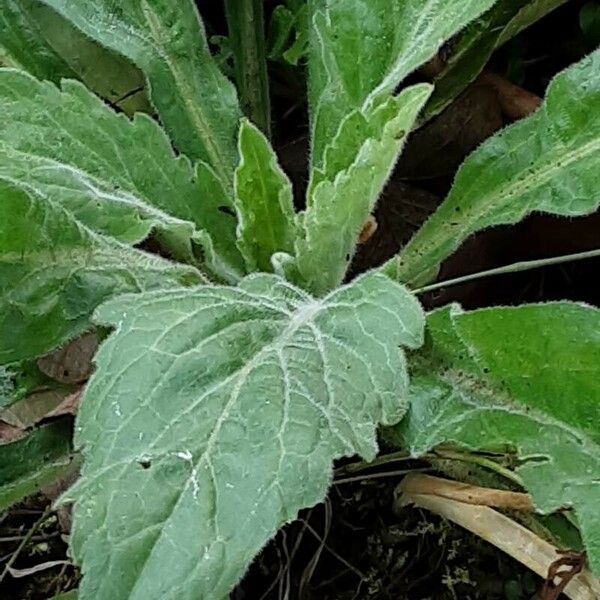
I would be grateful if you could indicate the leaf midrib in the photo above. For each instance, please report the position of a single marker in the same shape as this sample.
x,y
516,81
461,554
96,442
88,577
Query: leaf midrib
x,y
422,246
201,123
299,319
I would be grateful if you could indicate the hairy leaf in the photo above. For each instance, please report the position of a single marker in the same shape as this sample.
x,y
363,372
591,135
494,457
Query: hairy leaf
x,y
23,44
288,32
166,40
475,45
264,202
117,176
54,272
342,195
214,416
526,378
362,49
549,162
49,47
28,464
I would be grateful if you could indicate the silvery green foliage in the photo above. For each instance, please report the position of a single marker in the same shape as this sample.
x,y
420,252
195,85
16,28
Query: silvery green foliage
x,y
263,200
216,410
214,416
525,378
343,194
361,50
54,271
117,176
549,162
37,39
164,38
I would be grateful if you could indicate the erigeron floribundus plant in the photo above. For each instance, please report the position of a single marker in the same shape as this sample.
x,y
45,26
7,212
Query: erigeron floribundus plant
x,y
238,368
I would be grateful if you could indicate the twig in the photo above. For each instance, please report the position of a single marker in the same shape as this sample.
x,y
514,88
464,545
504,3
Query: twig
x,y
482,461
24,542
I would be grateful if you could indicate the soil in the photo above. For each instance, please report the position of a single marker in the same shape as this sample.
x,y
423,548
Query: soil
x,y
353,546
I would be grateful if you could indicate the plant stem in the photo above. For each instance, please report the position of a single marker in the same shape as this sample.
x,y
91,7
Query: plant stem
x,y
383,475
246,23
514,268
384,459
482,461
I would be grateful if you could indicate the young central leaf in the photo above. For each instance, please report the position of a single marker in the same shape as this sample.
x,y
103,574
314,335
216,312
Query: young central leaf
x,y
362,49
213,417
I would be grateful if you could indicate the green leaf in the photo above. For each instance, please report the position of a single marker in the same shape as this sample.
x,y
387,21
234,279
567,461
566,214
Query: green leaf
x,y
341,196
549,162
23,43
54,272
17,381
72,595
117,176
527,378
288,32
37,460
49,47
361,50
214,416
166,40
475,45
264,202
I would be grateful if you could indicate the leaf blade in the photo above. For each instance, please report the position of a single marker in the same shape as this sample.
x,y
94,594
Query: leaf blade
x,y
547,162
524,377
263,340
37,460
54,272
341,197
166,40
118,176
264,202
360,51
476,44
49,47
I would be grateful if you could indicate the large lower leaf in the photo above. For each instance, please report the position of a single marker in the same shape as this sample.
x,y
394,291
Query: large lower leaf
x,y
49,47
549,162
54,272
362,49
117,176
264,202
37,460
475,45
214,416
526,378
165,39
341,197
